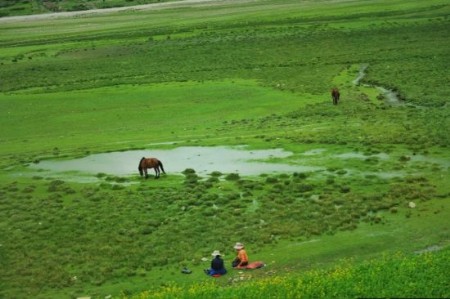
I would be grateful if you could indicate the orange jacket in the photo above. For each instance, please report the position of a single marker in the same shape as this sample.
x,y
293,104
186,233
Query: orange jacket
x,y
243,257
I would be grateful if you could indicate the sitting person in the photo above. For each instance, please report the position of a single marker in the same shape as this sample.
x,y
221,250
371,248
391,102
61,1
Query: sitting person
x,y
217,265
241,260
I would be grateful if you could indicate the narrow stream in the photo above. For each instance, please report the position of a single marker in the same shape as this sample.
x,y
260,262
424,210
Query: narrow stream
x,y
390,97
361,74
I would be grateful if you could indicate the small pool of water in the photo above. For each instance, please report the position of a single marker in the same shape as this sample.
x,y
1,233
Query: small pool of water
x,y
445,163
361,156
203,160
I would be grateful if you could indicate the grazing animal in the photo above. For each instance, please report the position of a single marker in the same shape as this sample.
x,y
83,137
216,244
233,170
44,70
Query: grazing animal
x,y
335,95
146,163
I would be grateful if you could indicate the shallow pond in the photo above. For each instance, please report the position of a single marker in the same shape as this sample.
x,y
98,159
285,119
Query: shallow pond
x,y
203,160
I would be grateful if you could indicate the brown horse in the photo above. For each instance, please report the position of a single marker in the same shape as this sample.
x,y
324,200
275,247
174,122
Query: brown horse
x,y
146,163
335,95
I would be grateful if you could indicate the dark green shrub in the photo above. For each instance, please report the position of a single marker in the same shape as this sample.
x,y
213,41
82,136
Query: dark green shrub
x,y
188,171
232,177
341,171
55,185
191,179
345,189
300,175
330,180
216,174
271,180
304,188
117,187
213,180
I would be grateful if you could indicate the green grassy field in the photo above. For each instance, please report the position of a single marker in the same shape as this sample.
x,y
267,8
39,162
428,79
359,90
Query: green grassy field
x,y
232,73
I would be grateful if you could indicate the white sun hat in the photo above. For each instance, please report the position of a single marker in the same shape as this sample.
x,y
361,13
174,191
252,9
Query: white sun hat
x,y
216,253
238,245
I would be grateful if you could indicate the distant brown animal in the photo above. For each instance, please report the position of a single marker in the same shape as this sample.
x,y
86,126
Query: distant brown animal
x,y
335,95
146,163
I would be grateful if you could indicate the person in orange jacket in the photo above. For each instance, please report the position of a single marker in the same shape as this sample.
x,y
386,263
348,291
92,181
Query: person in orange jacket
x,y
241,260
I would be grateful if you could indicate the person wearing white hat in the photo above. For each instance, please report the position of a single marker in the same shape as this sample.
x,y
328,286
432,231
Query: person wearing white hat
x,y
241,260
217,265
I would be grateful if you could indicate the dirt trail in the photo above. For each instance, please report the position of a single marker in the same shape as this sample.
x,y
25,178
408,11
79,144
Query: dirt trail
x,y
153,6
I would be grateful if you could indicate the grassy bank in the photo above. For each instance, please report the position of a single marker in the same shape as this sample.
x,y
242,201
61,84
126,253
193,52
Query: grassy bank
x,y
397,275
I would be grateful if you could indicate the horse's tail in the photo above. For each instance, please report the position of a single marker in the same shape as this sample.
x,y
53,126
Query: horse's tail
x,y
140,167
160,165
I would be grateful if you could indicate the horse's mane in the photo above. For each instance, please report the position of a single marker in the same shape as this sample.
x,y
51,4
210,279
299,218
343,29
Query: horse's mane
x,y
140,162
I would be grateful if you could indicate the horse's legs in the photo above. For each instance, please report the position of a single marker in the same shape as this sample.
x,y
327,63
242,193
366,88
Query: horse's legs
x,y
156,172
145,172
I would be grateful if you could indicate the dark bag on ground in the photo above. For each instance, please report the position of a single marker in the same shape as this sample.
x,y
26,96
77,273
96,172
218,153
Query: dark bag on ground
x,y
235,262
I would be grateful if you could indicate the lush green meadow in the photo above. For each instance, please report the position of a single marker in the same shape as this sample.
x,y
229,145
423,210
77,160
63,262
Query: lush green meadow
x,y
253,73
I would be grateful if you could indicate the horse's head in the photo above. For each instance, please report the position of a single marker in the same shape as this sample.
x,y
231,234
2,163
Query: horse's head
x,y
141,172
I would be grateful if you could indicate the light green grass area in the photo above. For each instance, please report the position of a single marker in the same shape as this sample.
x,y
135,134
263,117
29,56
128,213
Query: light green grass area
x,y
231,73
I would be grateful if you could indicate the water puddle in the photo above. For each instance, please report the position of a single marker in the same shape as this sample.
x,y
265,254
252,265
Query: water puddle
x,y
203,160
412,161
430,160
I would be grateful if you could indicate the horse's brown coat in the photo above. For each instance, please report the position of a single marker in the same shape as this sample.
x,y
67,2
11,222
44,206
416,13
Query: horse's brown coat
x,y
146,163
335,95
